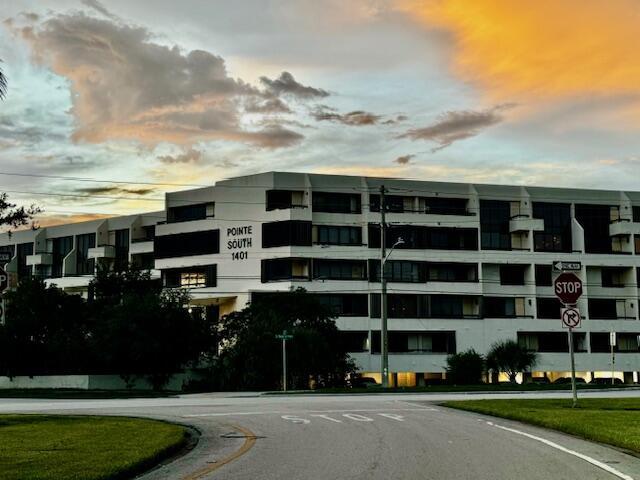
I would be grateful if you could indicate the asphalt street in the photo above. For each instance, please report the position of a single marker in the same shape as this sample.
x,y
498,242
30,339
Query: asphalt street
x,y
245,436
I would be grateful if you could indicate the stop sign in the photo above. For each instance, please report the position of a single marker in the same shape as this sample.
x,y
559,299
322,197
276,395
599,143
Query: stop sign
x,y
568,287
4,280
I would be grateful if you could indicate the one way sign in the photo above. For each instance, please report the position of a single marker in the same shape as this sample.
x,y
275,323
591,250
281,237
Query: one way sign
x,y
567,266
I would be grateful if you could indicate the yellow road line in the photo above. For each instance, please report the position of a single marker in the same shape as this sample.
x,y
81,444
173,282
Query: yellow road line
x,y
249,441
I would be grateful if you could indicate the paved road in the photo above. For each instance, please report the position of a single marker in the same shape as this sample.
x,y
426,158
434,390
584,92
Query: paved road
x,y
358,437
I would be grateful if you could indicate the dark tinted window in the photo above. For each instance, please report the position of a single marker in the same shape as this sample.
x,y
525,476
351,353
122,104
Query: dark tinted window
x,y
60,248
338,235
595,220
8,249
543,275
417,237
494,225
122,248
556,236
551,342
286,233
187,244
339,269
416,342
345,305
548,307
394,203
636,213
398,271
84,264
355,341
274,269
498,307
452,272
24,249
331,202
602,308
512,274
187,213
445,206
280,200
143,261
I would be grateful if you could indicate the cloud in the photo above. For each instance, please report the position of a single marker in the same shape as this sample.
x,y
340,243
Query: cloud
x,y
266,106
190,156
285,84
114,189
49,220
453,126
98,7
404,159
126,86
356,118
557,49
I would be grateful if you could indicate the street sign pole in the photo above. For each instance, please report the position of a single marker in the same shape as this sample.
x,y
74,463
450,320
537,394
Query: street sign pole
x,y
284,336
612,341
574,391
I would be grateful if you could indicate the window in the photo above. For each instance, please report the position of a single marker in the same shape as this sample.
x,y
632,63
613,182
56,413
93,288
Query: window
x,y
499,307
8,249
494,225
416,342
636,241
284,199
190,277
552,342
636,213
452,272
24,249
612,277
603,308
595,220
345,305
143,261
407,306
548,308
84,264
446,306
394,203
444,206
543,275
437,238
556,236
339,269
355,341
187,213
286,233
148,234
337,235
187,244
398,271
331,202
122,248
277,269
512,274
404,305
60,248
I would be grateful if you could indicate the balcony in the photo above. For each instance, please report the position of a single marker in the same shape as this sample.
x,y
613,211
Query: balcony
x,y
39,259
141,245
103,251
623,227
523,223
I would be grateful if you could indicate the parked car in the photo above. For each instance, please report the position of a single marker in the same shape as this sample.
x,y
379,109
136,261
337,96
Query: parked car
x,y
540,380
565,380
363,382
606,381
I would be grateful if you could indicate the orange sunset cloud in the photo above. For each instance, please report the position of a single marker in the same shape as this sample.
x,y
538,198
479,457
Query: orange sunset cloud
x,y
514,49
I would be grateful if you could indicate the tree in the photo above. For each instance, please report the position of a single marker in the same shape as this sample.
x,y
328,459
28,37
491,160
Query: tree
x,y
142,330
46,332
251,353
465,368
511,358
13,216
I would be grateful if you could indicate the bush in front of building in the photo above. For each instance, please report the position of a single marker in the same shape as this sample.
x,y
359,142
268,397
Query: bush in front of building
x,y
251,355
510,358
465,368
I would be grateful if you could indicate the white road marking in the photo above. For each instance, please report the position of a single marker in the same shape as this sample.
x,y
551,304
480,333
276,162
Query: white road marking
x,y
584,457
392,416
302,412
326,417
295,419
357,418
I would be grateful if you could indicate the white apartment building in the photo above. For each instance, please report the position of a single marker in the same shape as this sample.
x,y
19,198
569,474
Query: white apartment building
x,y
475,266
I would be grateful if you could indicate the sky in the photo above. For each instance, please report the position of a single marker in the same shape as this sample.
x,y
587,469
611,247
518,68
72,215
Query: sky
x,y
112,103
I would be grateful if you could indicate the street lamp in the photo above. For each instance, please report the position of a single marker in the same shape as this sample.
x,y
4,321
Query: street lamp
x,y
383,306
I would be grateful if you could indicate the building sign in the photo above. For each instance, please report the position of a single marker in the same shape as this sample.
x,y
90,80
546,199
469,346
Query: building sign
x,y
239,239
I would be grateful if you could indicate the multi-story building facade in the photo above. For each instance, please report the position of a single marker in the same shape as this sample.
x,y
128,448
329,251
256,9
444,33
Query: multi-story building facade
x,y
475,266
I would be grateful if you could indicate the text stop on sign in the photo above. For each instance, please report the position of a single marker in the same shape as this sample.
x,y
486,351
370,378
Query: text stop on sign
x,y
567,287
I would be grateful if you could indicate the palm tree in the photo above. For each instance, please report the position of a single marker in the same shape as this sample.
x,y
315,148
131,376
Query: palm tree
x,y
3,85
511,358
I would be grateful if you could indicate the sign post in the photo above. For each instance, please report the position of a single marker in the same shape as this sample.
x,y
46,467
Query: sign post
x,y
612,342
284,336
568,288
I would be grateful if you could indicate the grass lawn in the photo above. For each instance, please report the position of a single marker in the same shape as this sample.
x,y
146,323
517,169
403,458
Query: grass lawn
x,y
78,447
615,421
